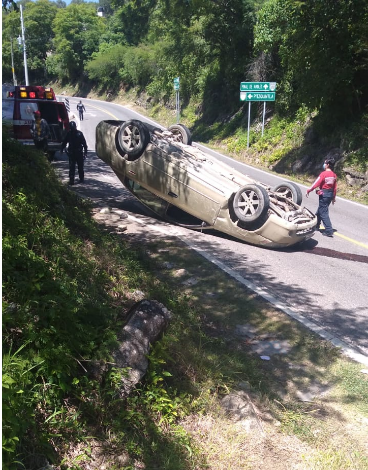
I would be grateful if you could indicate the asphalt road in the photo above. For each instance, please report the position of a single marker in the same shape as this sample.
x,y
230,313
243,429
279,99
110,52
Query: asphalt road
x,y
322,283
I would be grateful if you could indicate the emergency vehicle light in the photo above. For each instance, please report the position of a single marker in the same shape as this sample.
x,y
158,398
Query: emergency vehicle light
x,y
23,94
49,95
32,94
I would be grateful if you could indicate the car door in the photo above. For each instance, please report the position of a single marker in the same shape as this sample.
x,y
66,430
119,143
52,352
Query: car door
x,y
170,174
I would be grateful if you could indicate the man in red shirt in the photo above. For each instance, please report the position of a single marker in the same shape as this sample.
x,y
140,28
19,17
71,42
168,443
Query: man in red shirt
x,y
327,184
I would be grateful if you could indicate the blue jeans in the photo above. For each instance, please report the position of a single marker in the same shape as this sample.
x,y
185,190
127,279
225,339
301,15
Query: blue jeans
x,y
322,211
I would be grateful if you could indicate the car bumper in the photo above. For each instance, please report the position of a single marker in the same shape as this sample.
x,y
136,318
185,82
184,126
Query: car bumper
x,y
279,233
275,233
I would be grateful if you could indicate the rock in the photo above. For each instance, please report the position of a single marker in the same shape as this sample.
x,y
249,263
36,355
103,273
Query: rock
x,y
240,408
123,460
355,178
147,320
301,164
190,282
335,153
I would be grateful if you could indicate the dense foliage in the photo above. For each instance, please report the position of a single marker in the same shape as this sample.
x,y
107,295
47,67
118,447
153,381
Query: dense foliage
x,y
317,52
63,281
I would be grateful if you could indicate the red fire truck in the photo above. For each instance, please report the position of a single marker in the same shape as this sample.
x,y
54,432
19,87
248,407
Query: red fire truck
x,y
19,104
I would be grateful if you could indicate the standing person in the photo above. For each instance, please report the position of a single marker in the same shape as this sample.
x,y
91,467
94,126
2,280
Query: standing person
x,y
81,109
327,184
77,151
40,132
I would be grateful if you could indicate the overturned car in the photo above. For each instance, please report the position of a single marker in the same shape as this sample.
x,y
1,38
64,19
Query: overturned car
x,y
187,186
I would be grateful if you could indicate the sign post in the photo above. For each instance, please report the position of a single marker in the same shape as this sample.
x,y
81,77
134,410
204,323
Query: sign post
x,y
248,124
177,105
257,91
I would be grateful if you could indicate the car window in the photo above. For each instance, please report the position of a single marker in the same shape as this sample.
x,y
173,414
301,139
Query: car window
x,y
161,207
150,200
182,218
27,110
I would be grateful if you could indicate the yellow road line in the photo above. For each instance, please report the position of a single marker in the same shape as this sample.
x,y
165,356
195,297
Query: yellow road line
x,y
103,110
351,240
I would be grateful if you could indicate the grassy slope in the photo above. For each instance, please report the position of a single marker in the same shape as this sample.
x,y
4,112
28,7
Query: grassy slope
x,y
67,286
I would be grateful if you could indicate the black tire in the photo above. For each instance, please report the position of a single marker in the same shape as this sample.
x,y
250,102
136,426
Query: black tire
x,y
133,138
290,191
251,203
182,133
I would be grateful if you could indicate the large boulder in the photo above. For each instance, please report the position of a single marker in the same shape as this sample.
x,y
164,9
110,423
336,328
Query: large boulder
x,y
146,322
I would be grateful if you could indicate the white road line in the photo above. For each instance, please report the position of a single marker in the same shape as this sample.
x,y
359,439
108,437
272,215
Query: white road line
x,y
345,348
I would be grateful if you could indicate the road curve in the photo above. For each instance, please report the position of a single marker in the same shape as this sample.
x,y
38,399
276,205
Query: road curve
x,y
322,283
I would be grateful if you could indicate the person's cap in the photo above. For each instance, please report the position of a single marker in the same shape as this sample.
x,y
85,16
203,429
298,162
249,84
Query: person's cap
x,y
37,113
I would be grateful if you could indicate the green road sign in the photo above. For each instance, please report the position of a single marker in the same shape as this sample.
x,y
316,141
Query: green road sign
x,y
177,83
257,86
257,96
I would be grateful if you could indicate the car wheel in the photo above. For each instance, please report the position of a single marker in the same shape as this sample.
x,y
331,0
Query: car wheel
x,y
181,133
133,137
251,203
289,191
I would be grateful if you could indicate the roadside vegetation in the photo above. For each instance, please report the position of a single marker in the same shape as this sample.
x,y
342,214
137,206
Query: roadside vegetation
x,y
68,285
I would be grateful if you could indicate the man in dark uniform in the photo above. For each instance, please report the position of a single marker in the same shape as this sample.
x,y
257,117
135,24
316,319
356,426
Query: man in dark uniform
x,y
81,109
77,151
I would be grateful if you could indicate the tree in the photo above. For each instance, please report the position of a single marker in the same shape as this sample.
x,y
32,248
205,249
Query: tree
x,y
39,40
11,29
134,18
321,47
77,36
60,4
9,5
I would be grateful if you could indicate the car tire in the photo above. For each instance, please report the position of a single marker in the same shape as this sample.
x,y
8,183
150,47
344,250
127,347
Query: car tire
x,y
251,203
133,138
290,191
182,133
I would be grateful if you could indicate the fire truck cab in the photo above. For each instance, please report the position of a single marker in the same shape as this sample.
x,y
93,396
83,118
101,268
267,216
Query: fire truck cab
x,y
19,104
